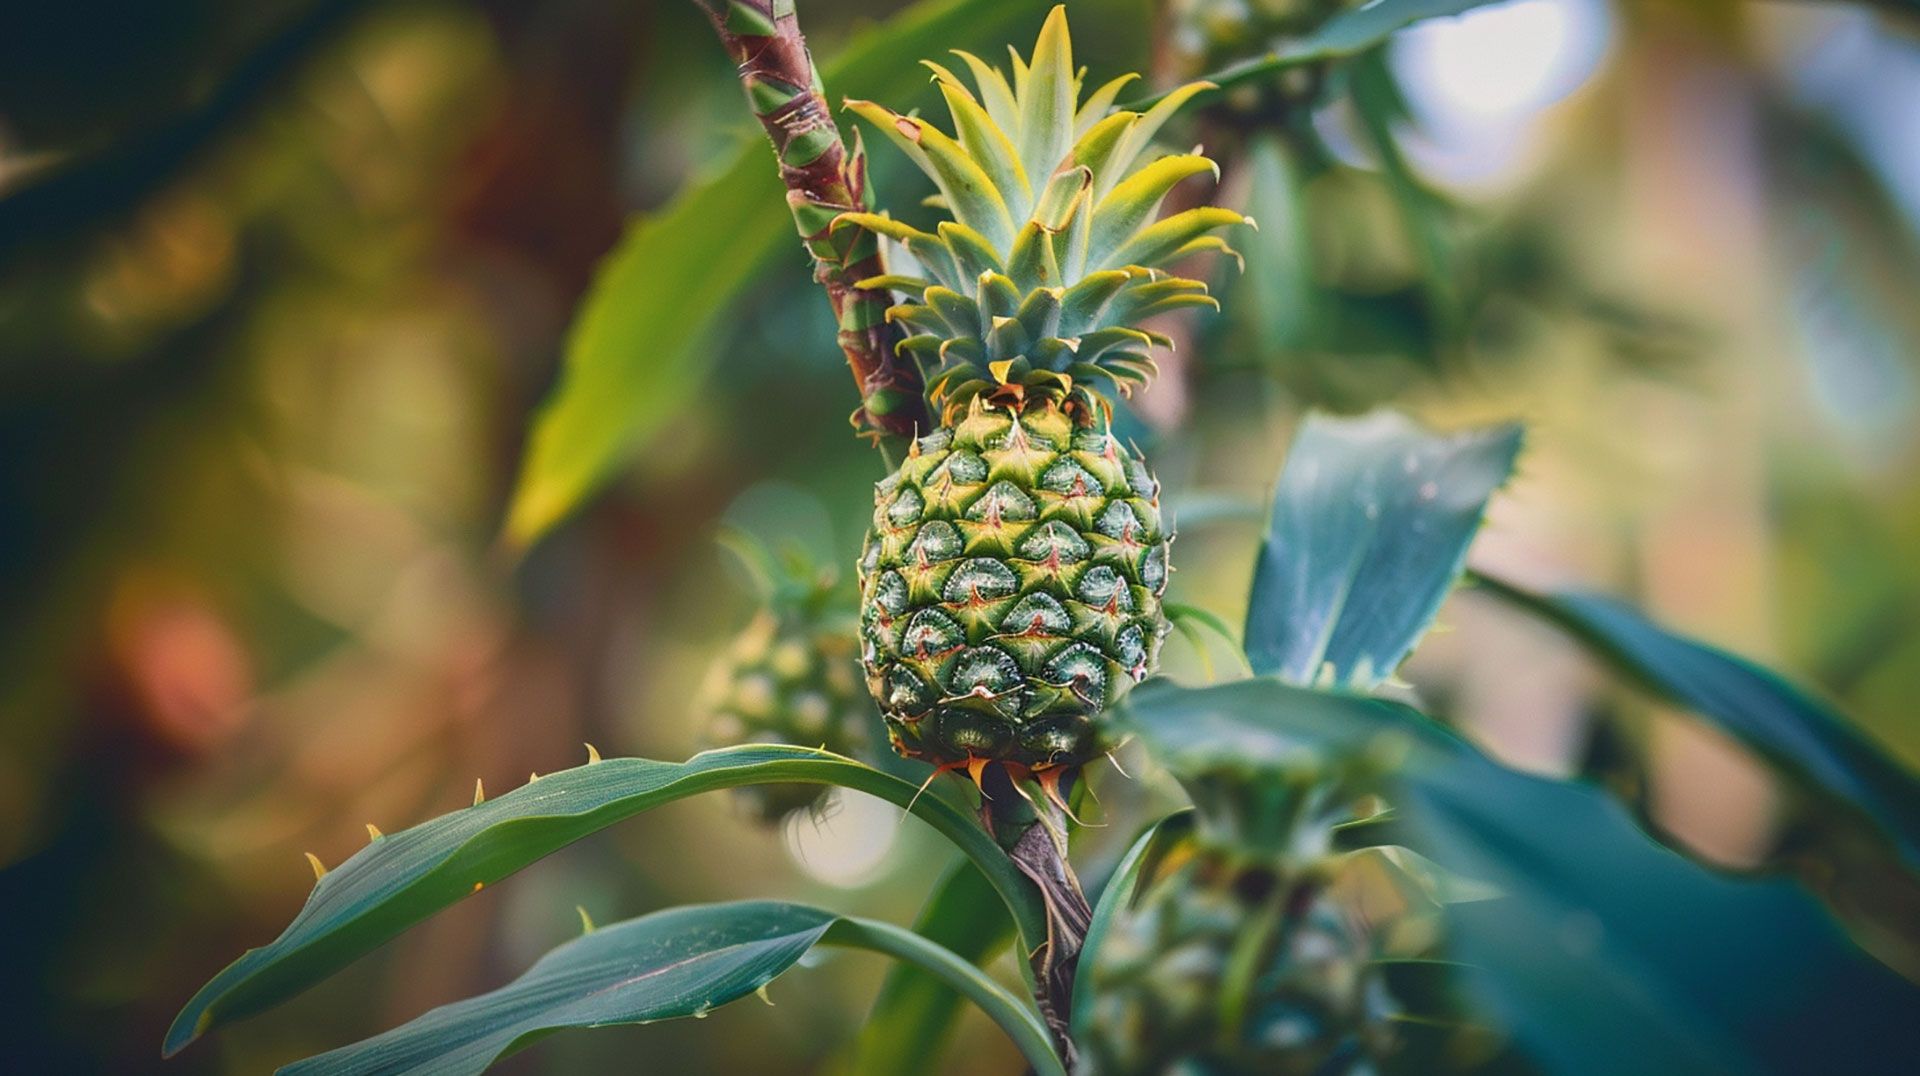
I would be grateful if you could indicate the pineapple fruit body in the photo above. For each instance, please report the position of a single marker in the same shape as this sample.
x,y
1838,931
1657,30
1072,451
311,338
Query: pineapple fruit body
x,y
788,678
1010,588
1011,584
1230,966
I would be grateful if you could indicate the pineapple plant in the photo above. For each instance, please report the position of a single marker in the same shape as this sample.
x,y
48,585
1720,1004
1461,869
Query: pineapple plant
x,y
1010,590
789,676
1237,957
1010,586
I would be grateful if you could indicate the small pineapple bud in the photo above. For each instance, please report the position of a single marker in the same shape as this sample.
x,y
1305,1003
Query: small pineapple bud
x,y
789,677
1232,963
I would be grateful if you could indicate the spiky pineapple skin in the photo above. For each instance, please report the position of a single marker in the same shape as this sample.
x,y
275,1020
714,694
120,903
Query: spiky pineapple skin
x,y
788,678
1010,588
1228,966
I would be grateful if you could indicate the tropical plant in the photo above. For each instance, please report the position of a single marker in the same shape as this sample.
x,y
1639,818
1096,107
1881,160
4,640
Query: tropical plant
x,y
1355,886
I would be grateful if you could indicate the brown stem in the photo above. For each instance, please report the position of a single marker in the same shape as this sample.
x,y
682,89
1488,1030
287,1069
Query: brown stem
x,y
1055,964
1033,830
823,181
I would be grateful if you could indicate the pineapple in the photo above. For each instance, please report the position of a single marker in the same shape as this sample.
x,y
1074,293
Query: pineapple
x,y
1214,35
1251,944
1010,586
1231,963
790,678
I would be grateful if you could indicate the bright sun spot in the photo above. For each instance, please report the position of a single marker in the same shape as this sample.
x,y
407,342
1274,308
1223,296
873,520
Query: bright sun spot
x,y
846,841
1478,82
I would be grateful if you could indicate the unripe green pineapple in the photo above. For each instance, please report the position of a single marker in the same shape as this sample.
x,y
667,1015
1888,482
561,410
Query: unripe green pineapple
x,y
790,678
1011,583
1211,35
1231,964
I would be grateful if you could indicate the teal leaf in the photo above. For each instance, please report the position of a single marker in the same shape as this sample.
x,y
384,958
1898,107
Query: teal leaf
x,y
1118,893
1360,28
1854,837
1370,526
1784,723
1605,952
404,877
676,963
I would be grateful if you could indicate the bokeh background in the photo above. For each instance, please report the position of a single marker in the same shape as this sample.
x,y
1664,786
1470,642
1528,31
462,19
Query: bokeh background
x,y
282,285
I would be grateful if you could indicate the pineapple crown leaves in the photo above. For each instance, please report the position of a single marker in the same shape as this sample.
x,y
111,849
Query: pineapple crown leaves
x,y
1035,288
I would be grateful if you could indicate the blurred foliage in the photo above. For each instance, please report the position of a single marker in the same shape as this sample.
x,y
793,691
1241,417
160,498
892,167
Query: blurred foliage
x,y
282,284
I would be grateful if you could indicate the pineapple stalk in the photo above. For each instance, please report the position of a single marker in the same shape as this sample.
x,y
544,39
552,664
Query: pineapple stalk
x,y
824,180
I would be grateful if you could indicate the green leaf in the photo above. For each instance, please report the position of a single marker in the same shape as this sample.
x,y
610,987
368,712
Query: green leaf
x,y
401,878
1119,892
1376,99
913,1017
1136,137
1606,953
1855,834
1156,243
1370,526
966,188
1348,33
1047,112
985,142
1357,29
1177,613
1273,300
676,963
1131,204
641,341
1789,726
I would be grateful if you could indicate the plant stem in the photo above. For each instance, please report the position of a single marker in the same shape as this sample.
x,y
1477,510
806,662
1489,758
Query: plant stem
x,y
1021,1023
1032,827
823,181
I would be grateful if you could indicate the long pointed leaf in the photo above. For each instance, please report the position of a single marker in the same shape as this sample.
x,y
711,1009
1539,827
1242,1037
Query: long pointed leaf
x,y
403,877
1155,244
1114,896
1789,726
1134,201
913,1016
676,963
969,192
1046,121
1138,136
987,143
